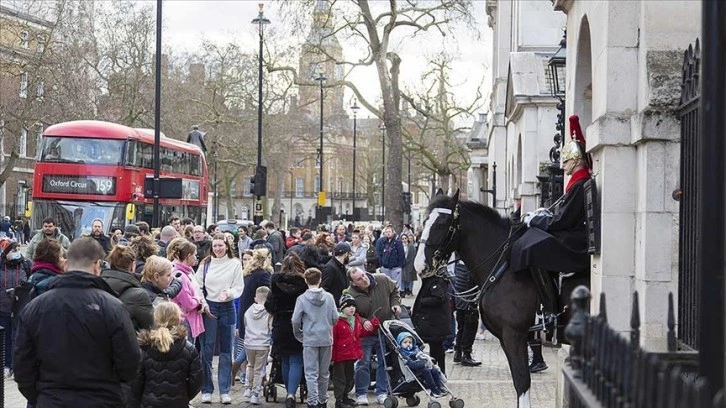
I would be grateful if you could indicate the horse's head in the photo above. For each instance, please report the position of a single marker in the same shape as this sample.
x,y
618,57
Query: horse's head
x,y
440,236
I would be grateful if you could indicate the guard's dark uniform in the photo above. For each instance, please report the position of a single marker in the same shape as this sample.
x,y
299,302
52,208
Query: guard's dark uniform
x,y
557,243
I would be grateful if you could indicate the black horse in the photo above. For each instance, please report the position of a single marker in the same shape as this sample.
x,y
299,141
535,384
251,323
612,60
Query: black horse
x,y
482,238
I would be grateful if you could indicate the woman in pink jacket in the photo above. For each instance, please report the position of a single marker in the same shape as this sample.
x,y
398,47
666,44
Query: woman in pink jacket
x,y
183,255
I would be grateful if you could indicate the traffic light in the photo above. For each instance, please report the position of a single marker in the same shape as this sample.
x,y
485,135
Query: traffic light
x,y
258,182
406,202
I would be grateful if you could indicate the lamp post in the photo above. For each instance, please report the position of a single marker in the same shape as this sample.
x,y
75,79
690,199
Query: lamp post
x,y
340,188
155,220
552,182
321,193
292,180
354,108
383,179
260,21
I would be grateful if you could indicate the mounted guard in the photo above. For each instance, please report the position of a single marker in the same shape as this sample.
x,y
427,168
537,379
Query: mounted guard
x,y
557,241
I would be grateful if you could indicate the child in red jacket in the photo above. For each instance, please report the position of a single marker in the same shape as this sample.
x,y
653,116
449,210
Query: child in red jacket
x,y
347,349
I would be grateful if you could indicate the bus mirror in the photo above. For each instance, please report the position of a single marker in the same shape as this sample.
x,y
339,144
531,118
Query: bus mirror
x,y
130,211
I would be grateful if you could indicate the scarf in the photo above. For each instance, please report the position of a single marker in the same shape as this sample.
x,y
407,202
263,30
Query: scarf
x,y
582,174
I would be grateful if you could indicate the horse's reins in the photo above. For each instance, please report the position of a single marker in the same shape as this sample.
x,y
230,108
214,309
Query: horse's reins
x,y
474,293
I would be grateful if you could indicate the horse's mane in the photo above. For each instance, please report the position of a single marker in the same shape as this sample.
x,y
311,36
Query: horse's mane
x,y
481,210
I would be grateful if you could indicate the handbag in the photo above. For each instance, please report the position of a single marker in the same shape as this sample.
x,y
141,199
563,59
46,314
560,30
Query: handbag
x,y
204,278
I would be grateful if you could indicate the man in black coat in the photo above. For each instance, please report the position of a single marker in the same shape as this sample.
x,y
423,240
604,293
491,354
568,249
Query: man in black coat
x,y
467,316
274,238
99,236
196,137
558,241
76,343
335,278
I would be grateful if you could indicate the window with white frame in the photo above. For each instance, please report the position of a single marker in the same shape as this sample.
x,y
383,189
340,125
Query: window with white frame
x,y
23,143
38,139
40,90
246,189
24,39
24,85
299,187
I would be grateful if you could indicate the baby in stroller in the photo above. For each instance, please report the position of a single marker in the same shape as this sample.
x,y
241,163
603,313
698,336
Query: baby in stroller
x,y
421,365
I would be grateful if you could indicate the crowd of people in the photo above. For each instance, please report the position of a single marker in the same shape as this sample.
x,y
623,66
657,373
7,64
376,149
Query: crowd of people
x,y
138,316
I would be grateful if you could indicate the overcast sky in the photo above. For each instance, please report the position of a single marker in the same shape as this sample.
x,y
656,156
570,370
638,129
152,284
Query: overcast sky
x,y
187,22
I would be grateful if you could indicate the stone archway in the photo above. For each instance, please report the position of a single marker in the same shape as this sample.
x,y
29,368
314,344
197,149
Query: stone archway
x,y
583,75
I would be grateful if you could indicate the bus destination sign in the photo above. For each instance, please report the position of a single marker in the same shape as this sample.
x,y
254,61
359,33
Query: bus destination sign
x,y
79,184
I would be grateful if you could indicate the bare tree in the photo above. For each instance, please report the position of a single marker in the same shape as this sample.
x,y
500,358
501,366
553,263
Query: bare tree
x,y
375,26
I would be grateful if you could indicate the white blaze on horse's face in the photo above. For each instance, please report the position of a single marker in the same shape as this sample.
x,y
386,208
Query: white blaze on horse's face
x,y
420,262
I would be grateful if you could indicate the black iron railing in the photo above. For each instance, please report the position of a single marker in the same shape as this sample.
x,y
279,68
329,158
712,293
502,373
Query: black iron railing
x,y
607,370
689,234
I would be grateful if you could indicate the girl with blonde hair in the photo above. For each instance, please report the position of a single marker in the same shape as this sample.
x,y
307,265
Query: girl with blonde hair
x,y
190,299
155,277
170,374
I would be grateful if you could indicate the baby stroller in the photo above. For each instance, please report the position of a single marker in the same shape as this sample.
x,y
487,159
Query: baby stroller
x,y
275,379
401,380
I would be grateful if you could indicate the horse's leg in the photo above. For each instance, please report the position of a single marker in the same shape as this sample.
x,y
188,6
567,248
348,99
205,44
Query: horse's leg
x,y
515,348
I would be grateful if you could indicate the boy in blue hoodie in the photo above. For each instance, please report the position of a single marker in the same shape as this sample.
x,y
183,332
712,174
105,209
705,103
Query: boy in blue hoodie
x,y
421,364
313,319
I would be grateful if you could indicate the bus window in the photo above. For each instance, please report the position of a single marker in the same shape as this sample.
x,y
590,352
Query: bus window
x,y
81,150
195,165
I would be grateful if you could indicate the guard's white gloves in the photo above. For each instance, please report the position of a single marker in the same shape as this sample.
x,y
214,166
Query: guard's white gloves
x,y
528,217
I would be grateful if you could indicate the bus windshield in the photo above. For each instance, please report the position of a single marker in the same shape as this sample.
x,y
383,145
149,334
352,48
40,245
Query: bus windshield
x,y
82,150
74,218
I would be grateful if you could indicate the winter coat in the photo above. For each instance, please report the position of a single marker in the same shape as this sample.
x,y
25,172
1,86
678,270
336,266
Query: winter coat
x,y
285,289
105,242
278,246
346,339
42,274
57,235
334,279
254,280
431,315
313,256
390,253
408,273
55,366
314,317
359,256
14,273
382,293
189,298
133,297
170,379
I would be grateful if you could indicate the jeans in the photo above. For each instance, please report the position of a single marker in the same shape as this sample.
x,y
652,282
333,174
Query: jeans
x,y
363,367
240,352
292,371
7,323
393,273
223,326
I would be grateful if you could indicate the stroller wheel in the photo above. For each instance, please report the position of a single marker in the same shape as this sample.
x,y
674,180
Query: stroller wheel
x,y
434,404
273,392
456,403
390,402
413,401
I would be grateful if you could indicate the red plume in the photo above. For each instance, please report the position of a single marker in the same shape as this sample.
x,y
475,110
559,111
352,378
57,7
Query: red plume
x,y
576,130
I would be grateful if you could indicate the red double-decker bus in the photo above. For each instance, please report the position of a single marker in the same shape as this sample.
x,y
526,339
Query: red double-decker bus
x,y
91,169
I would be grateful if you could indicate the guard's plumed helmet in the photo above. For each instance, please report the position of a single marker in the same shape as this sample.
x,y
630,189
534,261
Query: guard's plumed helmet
x,y
575,148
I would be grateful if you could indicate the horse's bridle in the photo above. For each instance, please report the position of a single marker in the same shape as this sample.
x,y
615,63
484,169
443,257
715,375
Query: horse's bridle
x,y
439,260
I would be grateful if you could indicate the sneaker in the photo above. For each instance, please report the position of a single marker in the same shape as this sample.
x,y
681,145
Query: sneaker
x,y
206,398
248,393
226,399
381,398
361,400
255,399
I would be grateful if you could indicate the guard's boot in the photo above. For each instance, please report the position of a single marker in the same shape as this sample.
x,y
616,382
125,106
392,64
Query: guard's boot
x,y
467,361
538,364
547,294
457,356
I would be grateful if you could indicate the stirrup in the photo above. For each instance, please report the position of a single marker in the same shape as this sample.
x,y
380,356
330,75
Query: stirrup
x,y
545,322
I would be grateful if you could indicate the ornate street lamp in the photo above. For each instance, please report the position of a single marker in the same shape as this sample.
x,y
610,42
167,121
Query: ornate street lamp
x,y
558,65
552,182
260,179
321,193
355,109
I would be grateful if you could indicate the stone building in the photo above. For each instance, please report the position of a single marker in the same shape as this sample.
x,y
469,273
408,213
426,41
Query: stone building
x,y
624,66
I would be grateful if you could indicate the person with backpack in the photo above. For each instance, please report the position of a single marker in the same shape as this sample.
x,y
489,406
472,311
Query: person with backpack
x,y
156,277
170,374
15,271
121,279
